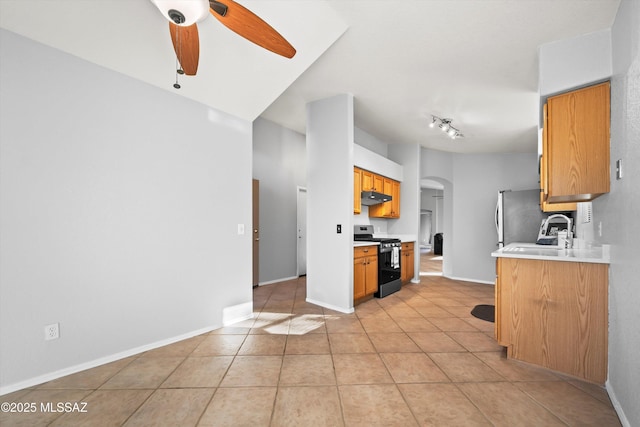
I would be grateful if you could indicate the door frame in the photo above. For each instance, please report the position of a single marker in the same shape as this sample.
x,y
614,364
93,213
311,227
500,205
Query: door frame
x,y
255,231
300,190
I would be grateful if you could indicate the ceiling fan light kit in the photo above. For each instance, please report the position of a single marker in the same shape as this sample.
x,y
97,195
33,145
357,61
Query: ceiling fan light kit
x,y
183,16
183,12
445,126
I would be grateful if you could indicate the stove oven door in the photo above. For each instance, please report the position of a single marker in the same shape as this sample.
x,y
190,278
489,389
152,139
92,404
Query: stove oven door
x,y
388,265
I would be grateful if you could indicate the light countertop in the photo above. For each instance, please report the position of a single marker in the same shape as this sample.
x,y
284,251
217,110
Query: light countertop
x,y
594,254
404,238
361,243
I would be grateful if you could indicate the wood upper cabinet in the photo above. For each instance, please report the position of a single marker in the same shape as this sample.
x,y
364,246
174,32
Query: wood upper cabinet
x,y
371,181
545,206
364,180
357,190
554,314
407,267
575,153
388,209
365,271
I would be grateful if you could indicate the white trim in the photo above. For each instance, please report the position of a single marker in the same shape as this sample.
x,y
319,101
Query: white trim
x,y
299,190
237,313
330,306
616,405
464,279
101,361
270,282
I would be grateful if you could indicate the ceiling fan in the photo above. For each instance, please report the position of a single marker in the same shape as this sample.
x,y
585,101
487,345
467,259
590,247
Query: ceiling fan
x,y
183,16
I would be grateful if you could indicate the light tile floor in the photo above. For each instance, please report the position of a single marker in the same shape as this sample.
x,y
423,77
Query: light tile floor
x,y
416,357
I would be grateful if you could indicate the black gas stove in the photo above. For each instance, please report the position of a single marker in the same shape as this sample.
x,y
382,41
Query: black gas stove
x,y
388,259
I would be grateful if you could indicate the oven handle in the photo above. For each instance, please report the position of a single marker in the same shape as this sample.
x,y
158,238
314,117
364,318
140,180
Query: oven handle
x,y
385,250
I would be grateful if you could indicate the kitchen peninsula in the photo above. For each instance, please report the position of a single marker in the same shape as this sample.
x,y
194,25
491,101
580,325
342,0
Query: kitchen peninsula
x,y
551,307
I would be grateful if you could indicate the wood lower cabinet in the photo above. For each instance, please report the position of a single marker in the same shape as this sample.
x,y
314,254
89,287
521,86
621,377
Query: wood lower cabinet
x,y
407,266
554,314
575,153
365,271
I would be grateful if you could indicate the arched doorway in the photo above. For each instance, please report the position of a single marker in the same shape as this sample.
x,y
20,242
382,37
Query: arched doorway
x,y
435,220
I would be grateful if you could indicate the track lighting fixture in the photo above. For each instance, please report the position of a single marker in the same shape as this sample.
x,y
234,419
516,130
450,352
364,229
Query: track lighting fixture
x,y
445,126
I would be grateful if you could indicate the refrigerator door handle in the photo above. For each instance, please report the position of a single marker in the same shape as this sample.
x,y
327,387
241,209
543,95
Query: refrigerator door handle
x,y
498,221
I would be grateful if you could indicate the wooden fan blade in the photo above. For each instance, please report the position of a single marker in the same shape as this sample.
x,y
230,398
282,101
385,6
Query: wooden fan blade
x,y
247,24
186,43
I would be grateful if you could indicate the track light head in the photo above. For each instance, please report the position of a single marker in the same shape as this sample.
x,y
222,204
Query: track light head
x,y
445,126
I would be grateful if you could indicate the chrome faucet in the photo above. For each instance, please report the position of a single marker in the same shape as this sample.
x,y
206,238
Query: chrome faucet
x,y
569,227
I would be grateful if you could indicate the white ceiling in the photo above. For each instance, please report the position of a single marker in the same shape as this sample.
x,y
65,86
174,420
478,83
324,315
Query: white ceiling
x,y
403,60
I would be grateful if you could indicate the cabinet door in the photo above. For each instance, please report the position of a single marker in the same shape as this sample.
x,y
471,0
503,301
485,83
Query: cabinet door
x,y
371,281
378,183
357,190
371,181
407,268
577,332
554,314
524,309
359,277
503,304
578,144
395,201
545,206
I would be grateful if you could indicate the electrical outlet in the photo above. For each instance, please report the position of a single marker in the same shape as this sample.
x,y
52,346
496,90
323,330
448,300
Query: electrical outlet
x,y
52,332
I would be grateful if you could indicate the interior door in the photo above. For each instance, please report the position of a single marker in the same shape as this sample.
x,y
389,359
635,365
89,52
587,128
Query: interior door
x,y
255,226
302,231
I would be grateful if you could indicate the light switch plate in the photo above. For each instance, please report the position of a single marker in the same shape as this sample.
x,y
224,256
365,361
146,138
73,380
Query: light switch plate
x,y
619,169
240,229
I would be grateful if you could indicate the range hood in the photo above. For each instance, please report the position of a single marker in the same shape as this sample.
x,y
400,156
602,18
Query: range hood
x,y
374,198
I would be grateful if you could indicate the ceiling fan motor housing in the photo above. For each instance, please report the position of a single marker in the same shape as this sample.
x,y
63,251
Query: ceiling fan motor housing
x,y
183,12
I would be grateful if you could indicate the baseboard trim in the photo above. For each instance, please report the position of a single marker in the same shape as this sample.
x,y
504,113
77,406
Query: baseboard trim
x,y
616,405
40,379
271,282
330,306
237,313
465,279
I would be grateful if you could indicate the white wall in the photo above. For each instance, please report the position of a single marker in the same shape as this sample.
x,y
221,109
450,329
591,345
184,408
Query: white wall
x,y
619,210
119,206
589,57
370,142
477,180
330,133
408,155
472,183
280,164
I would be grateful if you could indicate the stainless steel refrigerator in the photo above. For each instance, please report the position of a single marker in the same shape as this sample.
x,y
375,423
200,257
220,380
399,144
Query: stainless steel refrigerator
x,y
518,216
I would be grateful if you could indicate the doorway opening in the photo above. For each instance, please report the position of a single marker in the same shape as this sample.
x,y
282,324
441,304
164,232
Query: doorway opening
x,y
432,224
